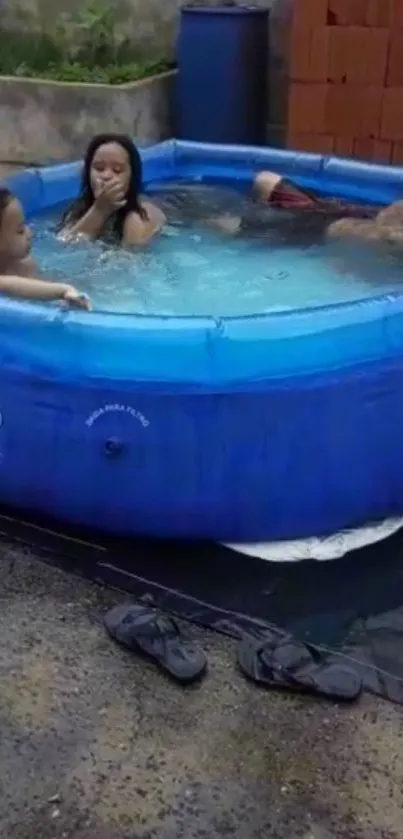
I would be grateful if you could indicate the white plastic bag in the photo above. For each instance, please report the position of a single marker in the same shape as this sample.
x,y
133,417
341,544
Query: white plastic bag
x,y
320,548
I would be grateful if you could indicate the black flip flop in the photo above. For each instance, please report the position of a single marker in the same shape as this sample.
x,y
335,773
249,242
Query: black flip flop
x,y
146,631
288,664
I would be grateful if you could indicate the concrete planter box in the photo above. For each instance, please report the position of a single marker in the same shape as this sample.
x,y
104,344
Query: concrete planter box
x,y
45,121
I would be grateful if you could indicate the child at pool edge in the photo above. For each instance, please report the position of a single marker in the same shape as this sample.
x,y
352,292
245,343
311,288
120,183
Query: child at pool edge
x,y
109,204
18,272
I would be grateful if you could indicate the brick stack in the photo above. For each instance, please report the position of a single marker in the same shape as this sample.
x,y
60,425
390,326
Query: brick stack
x,y
345,93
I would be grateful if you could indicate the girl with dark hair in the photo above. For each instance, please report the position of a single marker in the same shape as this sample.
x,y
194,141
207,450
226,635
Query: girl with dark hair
x,y
109,205
18,272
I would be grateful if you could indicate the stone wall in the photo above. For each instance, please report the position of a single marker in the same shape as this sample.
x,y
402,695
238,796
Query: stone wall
x,y
44,122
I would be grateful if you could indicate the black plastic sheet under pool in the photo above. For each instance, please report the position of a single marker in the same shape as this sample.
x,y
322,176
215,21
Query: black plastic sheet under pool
x,y
352,605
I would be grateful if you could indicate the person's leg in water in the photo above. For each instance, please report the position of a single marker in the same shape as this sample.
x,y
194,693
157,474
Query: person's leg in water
x,y
353,228
389,222
376,238
387,226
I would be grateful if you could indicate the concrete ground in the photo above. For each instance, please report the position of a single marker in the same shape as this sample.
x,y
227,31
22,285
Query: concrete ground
x,y
96,744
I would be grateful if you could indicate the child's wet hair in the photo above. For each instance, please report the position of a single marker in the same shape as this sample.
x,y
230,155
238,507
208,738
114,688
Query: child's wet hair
x,y
5,197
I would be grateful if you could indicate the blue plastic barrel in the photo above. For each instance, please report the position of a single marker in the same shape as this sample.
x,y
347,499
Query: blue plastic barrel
x,y
222,78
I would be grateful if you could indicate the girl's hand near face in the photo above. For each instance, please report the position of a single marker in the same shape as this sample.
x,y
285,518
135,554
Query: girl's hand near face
x,y
109,197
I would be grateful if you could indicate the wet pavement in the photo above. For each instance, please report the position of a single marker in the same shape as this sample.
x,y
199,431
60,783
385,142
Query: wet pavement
x,y
96,744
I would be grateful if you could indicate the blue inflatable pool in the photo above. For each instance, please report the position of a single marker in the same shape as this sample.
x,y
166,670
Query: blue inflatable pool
x,y
241,429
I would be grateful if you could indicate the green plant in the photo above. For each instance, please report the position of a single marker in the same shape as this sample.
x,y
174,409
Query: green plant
x,y
92,34
88,46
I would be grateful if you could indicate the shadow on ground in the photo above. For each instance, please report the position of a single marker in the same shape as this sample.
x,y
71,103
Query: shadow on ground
x,y
98,745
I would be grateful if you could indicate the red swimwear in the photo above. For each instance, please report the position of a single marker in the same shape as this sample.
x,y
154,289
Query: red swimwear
x,y
286,196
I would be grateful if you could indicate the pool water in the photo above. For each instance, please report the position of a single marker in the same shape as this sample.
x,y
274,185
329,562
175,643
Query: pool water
x,y
277,262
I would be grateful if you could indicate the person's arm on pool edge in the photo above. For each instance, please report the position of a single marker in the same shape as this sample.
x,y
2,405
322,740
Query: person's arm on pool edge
x,y
32,289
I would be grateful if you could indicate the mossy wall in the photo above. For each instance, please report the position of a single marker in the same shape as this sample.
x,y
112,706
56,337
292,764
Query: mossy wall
x,y
150,22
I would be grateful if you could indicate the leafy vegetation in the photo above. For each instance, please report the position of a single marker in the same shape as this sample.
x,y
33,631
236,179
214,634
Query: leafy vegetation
x,y
88,46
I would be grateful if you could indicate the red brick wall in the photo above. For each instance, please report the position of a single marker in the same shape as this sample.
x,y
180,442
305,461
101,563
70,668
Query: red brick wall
x,y
345,74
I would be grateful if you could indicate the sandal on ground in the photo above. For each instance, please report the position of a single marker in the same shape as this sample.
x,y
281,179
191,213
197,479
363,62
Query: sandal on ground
x,y
286,663
149,632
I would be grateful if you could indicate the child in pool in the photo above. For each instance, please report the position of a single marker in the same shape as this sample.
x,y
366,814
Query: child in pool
x,y
359,223
18,272
271,190
109,205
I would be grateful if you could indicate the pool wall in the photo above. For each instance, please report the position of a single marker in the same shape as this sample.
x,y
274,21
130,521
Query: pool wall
x,y
240,429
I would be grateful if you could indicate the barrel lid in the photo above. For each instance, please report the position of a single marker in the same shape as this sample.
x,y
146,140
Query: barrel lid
x,y
229,8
